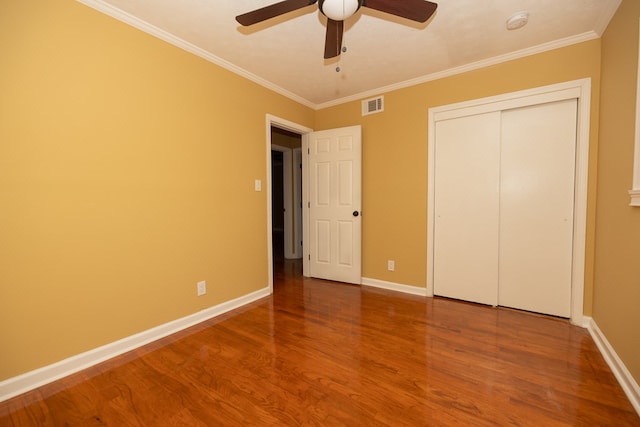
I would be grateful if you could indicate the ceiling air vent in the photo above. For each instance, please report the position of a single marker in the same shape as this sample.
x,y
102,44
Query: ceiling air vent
x,y
373,105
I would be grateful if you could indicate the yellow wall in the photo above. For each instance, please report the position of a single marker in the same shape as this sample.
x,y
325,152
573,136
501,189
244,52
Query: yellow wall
x,y
127,171
395,154
617,280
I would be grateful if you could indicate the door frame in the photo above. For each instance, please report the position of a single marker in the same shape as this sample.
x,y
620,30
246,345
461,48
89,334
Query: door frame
x,y
275,121
576,89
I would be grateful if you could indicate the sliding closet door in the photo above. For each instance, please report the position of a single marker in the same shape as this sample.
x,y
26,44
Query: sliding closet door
x,y
466,207
536,207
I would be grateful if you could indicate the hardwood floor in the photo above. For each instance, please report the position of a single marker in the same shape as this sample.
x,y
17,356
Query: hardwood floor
x,y
322,353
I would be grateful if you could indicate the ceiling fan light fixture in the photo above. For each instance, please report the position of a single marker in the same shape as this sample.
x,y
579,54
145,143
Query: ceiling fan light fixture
x,y
339,10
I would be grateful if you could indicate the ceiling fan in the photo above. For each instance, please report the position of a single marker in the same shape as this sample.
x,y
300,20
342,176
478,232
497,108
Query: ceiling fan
x,y
337,11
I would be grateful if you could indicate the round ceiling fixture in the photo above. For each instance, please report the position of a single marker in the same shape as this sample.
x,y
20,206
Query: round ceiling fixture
x,y
517,20
339,10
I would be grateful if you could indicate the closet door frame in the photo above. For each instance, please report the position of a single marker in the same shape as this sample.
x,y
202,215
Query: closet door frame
x,y
576,89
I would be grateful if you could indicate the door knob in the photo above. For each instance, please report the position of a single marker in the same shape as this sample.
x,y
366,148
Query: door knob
x,y
356,213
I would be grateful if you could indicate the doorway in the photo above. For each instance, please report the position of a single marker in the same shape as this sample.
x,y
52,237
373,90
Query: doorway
x,y
277,203
276,127
296,222
286,193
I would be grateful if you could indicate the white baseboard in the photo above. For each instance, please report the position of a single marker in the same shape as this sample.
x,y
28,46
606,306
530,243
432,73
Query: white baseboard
x,y
30,380
622,374
375,283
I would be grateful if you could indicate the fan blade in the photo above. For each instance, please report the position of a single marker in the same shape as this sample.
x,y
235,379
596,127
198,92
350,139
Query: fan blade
x,y
272,11
333,39
415,10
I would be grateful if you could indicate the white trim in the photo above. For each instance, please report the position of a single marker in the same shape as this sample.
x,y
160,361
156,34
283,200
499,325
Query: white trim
x,y
580,89
30,380
286,125
146,27
586,321
407,289
545,47
622,374
634,193
281,123
511,100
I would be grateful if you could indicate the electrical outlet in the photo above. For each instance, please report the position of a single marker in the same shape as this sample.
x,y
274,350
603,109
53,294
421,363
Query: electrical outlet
x,y
391,265
202,288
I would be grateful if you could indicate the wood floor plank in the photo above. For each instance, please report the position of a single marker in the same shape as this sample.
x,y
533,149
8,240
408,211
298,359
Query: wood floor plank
x,y
319,353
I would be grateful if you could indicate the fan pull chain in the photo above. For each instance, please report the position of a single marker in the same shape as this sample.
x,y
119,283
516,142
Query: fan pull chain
x,y
340,48
338,41
344,49
338,69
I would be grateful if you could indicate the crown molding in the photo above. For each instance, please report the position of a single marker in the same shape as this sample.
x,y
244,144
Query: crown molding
x,y
556,44
146,27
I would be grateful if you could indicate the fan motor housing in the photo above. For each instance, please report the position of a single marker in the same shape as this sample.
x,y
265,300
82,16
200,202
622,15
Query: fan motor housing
x,y
339,10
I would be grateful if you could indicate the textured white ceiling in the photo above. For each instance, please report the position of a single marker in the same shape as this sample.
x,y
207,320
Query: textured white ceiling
x,y
286,53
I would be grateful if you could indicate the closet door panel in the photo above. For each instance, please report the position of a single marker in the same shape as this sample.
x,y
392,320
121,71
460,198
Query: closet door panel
x,y
536,207
466,208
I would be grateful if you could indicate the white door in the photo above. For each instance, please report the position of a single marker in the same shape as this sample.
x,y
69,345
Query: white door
x,y
335,203
466,207
503,207
536,207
